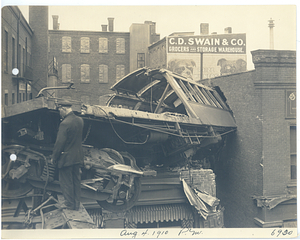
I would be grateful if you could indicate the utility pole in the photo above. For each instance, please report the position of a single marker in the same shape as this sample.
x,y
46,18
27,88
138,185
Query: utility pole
x,y
201,65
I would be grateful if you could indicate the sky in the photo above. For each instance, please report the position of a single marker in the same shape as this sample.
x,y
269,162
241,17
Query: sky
x,y
249,19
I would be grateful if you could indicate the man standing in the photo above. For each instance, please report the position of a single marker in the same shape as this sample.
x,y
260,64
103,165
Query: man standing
x,y
68,155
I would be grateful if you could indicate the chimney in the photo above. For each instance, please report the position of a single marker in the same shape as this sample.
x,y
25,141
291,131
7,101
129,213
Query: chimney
x,y
153,28
110,24
227,30
104,28
204,29
271,25
55,22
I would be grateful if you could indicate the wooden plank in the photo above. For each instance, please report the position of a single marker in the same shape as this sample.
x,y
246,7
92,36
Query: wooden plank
x,y
77,219
54,219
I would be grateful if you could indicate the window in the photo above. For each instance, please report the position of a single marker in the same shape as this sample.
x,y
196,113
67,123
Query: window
x,y
85,45
30,95
103,45
120,45
13,98
5,63
24,61
19,56
293,152
24,97
66,44
103,73
13,45
141,60
6,99
85,99
28,59
22,86
26,51
85,73
120,72
66,73
20,97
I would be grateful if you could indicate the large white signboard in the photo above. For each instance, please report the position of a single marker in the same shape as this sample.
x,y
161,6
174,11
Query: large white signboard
x,y
221,54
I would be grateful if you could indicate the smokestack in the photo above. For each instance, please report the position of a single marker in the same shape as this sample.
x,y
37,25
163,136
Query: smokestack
x,y
110,24
227,30
271,25
204,29
55,22
104,28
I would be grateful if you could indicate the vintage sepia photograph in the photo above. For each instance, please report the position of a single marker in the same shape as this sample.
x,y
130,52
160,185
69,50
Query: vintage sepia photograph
x,y
148,121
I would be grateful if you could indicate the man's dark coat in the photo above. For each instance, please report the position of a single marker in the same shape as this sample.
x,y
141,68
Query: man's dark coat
x,y
68,149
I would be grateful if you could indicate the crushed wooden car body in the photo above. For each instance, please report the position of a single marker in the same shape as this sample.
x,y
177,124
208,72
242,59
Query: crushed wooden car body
x,y
155,119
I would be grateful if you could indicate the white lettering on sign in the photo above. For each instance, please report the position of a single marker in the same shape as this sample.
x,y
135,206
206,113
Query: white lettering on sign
x,y
230,49
221,43
239,42
179,49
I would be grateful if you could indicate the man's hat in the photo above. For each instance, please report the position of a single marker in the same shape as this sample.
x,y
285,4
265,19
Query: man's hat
x,y
63,104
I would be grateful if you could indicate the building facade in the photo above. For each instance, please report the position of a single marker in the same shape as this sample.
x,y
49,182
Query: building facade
x,y
142,35
93,61
257,169
38,20
16,54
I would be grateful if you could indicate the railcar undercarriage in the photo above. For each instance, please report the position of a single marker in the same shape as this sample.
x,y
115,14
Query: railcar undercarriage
x,y
155,120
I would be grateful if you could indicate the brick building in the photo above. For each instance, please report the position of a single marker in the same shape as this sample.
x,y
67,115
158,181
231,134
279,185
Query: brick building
x,y
17,52
93,60
256,172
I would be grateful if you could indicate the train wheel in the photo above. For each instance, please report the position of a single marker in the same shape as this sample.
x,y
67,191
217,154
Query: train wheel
x,y
12,188
126,199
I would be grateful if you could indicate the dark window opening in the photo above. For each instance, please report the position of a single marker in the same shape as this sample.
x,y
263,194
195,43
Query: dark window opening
x,y
6,51
19,60
6,99
24,61
13,98
141,60
13,53
293,152
30,95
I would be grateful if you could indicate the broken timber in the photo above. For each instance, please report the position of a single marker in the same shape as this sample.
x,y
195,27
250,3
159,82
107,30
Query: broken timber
x,y
72,219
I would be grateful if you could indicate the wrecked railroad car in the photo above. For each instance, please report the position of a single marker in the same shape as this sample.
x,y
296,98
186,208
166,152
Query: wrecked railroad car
x,y
154,120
